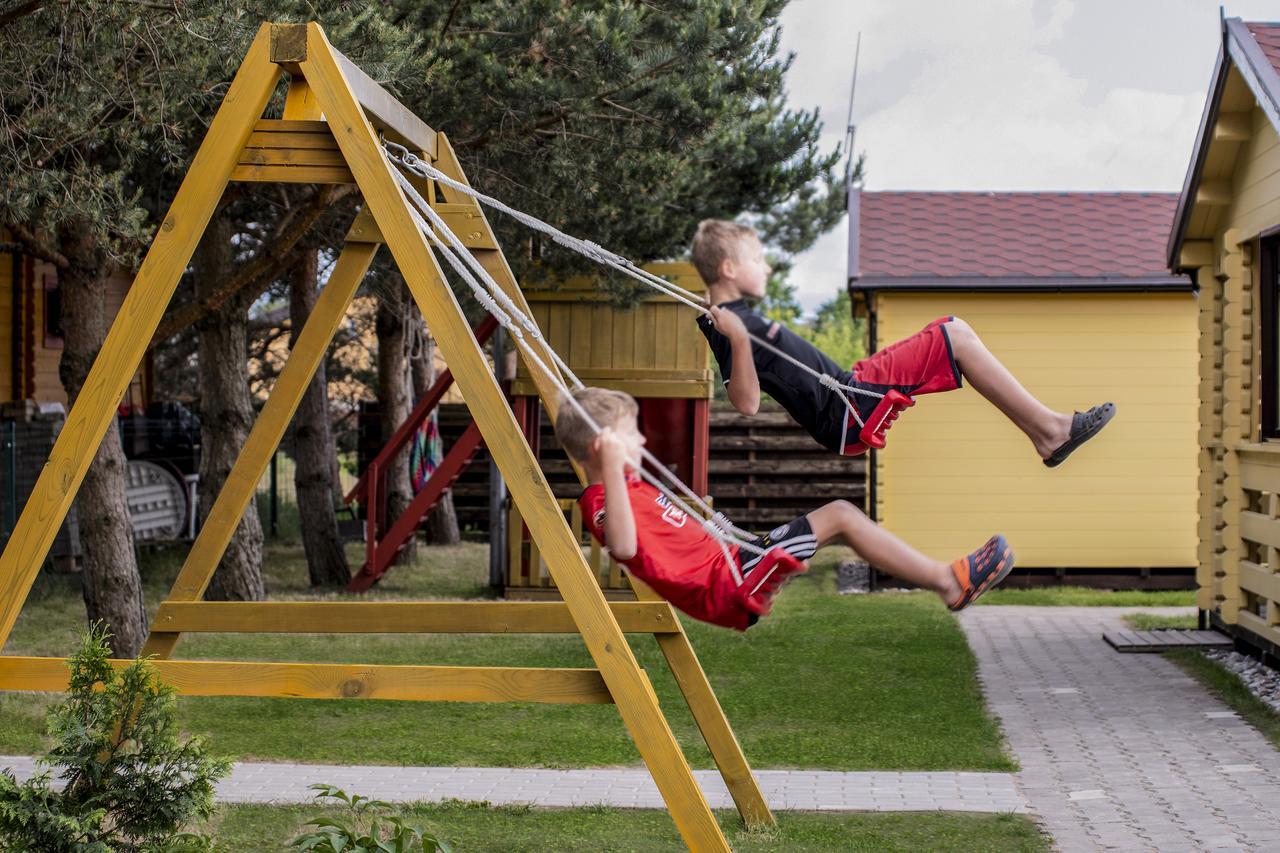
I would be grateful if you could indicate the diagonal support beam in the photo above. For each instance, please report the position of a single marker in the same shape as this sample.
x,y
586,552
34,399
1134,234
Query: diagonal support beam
x,y
676,647
136,322
605,641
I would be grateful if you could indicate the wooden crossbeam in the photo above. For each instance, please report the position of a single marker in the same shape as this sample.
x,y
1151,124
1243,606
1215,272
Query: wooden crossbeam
x,y
338,681
400,617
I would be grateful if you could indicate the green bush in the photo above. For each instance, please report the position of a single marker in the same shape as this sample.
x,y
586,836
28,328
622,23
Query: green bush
x,y
125,782
373,829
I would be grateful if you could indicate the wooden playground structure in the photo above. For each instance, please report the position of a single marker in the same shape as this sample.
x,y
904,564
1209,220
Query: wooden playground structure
x,y
334,119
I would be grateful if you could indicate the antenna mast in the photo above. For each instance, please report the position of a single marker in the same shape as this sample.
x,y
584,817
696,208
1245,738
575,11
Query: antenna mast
x,y
851,129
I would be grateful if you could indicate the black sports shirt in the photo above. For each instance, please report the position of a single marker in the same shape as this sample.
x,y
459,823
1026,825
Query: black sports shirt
x,y
814,406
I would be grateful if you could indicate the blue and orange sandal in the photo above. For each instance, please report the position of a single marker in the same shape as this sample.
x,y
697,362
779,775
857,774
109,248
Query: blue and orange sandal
x,y
1084,426
982,570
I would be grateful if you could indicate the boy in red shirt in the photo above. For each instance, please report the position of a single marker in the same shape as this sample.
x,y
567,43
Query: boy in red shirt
x,y
671,552
730,259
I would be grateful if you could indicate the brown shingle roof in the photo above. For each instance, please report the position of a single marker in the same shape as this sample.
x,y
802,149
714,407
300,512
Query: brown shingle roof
x,y
1060,240
1268,38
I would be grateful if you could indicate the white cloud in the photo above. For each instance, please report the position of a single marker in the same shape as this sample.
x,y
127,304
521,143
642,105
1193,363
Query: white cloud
x,y
978,96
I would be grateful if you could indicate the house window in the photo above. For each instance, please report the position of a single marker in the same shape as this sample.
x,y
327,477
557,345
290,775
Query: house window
x,y
1269,281
52,313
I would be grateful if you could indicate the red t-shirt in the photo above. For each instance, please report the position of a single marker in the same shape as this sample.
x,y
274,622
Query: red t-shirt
x,y
674,555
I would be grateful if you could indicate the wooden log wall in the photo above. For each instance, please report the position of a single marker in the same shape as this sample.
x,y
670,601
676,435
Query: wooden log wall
x,y
764,471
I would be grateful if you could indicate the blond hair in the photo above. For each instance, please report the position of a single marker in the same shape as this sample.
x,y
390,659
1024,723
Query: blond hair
x,y
607,408
716,241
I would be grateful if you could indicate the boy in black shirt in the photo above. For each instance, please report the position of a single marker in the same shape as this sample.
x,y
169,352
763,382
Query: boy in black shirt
x,y
730,259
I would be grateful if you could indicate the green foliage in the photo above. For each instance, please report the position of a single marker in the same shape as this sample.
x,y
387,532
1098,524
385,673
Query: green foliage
x,y
835,332
125,781
780,301
373,828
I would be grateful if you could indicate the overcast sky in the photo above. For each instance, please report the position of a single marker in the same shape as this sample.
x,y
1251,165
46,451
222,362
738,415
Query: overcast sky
x,y
1005,95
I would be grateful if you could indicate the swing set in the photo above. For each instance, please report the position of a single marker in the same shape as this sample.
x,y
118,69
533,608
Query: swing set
x,y
340,127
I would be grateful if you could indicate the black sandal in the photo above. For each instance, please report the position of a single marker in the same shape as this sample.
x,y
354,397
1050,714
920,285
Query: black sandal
x,y
1084,426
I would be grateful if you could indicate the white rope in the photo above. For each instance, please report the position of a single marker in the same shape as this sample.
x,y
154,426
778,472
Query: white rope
x,y
507,314
408,160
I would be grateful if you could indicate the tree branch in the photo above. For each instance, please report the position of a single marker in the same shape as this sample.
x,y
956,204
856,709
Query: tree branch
x,y
263,269
21,10
38,247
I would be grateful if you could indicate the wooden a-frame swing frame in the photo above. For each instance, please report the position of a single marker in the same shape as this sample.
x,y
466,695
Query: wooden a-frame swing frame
x,y
333,117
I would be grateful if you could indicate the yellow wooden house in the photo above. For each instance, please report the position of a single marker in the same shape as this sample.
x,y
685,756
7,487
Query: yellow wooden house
x,y
1070,290
1226,233
30,327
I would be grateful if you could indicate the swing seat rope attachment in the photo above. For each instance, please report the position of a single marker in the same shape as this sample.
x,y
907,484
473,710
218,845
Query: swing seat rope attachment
x,y
872,434
757,590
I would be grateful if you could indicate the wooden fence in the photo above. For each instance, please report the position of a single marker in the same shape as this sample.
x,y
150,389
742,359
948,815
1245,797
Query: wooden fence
x,y
764,471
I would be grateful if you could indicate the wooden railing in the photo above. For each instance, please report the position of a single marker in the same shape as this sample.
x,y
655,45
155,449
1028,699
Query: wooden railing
x,y
384,541
1257,573
527,573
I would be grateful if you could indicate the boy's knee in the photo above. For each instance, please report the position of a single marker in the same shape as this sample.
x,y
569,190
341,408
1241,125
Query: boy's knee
x,y
849,512
956,326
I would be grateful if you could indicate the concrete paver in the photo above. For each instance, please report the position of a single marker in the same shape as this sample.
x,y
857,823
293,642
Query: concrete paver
x,y
1119,751
809,790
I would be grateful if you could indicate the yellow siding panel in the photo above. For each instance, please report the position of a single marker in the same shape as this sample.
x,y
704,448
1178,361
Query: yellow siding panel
x,y
955,470
1255,205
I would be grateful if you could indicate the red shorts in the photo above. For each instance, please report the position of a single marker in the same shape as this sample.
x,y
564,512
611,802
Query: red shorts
x,y
920,364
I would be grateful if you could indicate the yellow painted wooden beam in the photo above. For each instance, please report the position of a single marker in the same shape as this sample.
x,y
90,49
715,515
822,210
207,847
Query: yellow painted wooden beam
x,y
364,229
276,133
338,681
1233,127
136,322
292,175
300,101
1196,253
242,481
1215,193
604,639
398,617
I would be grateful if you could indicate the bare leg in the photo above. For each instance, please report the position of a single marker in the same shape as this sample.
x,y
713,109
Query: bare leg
x,y
841,521
1046,428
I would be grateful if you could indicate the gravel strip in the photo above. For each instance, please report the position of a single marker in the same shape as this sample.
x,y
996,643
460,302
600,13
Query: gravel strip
x,y
1262,680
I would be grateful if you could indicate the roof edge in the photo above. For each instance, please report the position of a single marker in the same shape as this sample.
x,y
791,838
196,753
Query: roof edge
x,y
1014,284
1241,49
1256,69
1199,151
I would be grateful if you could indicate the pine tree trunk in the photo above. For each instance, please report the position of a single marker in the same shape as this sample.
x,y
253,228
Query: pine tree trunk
x,y
226,416
313,447
395,398
112,586
442,523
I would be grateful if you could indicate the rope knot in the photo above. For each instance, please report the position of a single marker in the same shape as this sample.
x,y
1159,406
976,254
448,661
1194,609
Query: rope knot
x,y
830,381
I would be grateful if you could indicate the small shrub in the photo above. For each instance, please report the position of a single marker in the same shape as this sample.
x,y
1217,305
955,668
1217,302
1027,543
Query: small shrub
x,y
372,827
125,782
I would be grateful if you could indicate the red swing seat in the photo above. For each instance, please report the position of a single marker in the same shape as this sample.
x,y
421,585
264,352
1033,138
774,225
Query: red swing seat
x,y
885,413
757,590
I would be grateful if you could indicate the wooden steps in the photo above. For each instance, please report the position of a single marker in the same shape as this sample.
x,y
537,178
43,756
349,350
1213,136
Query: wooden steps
x,y
1165,639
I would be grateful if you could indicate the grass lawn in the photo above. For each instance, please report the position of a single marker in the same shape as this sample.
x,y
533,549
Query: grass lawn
x,y
1228,687
1153,622
826,682
1079,596
478,827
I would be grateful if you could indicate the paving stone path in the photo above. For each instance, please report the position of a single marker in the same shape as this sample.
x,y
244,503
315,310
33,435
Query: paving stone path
x,y
1121,751
809,790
